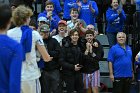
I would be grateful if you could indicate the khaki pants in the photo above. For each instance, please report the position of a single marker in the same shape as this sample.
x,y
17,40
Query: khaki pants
x,y
31,86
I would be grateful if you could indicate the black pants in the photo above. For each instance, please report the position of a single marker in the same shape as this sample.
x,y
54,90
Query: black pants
x,y
74,83
121,85
102,8
50,81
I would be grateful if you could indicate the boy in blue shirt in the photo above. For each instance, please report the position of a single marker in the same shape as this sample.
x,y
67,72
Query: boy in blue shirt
x,y
57,6
52,18
120,65
10,55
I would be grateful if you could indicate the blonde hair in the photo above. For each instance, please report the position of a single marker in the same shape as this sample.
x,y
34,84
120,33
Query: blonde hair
x,y
20,15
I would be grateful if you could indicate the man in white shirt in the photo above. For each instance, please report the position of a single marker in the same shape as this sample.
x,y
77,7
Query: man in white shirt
x,y
62,31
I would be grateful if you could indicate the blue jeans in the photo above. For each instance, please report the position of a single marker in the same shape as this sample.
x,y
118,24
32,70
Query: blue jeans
x,y
111,38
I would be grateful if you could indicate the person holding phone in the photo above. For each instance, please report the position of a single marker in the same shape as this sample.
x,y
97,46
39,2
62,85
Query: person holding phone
x,y
71,59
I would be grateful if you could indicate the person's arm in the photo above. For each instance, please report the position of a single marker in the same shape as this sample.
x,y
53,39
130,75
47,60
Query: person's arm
x,y
15,70
137,57
83,26
94,8
42,50
54,22
109,16
111,71
58,7
122,15
110,59
79,4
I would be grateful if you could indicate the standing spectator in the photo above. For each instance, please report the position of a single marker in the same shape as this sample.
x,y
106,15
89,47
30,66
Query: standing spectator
x,y
52,17
30,40
76,23
68,4
57,7
10,55
62,31
71,59
88,11
120,65
115,17
50,74
91,71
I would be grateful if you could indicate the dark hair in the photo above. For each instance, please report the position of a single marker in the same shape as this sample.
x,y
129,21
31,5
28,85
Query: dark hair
x,y
5,15
73,31
74,9
89,32
33,22
49,3
112,1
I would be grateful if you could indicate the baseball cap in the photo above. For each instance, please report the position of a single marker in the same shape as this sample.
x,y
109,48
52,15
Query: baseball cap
x,y
62,22
44,28
42,18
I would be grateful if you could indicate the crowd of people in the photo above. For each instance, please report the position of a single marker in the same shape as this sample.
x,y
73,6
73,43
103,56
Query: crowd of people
x,y
54,52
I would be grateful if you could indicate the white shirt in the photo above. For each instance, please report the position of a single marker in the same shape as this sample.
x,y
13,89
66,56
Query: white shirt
x,y
30,70
58,38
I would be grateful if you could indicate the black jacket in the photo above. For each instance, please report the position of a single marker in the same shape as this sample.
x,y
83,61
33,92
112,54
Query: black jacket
x,y
53,48
93,63
70,55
